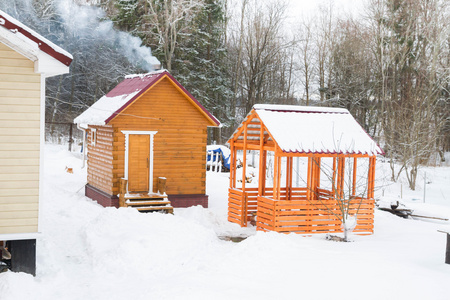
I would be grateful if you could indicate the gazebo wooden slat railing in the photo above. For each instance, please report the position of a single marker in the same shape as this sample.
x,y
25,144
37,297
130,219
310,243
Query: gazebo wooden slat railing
x,y
285,207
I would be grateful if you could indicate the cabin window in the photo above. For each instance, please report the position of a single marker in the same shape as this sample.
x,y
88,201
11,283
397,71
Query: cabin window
x,y
93,136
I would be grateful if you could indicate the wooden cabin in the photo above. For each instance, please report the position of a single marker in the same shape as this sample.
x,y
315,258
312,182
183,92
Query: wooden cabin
x,y
337,177
26,60
146,145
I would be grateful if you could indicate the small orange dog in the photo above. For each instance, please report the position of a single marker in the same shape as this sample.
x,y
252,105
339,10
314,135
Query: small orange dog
x,y
69,170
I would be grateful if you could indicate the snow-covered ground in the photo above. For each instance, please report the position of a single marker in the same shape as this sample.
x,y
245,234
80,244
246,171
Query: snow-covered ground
x,y
90,252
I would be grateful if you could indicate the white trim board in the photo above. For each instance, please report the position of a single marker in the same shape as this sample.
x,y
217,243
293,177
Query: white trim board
x,y
19,236
127,146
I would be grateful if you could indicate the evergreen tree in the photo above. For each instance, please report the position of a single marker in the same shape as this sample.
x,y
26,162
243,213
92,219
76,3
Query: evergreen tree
x,y
201,63
188,38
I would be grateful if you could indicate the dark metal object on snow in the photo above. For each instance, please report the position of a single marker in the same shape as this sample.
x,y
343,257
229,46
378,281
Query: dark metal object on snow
x,y
23,256
447,248
401,212
447,251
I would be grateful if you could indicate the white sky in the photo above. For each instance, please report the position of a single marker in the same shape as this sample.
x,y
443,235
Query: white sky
x,y
298,8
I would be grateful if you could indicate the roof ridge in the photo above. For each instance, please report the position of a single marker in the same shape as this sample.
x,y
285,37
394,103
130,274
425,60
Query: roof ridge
x,y
157,72
300,109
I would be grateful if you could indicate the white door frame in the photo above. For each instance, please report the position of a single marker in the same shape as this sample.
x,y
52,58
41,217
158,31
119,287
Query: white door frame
x,y
127,147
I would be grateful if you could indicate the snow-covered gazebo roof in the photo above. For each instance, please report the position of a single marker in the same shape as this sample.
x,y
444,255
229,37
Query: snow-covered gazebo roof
x,y
128,91
306,129
49,58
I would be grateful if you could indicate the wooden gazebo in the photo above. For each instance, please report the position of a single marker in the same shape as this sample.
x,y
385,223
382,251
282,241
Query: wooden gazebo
x,y
325,139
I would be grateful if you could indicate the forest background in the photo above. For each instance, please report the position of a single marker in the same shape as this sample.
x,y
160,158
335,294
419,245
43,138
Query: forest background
x,y
389,65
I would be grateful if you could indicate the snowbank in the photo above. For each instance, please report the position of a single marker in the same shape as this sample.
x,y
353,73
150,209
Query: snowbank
x,y
90,252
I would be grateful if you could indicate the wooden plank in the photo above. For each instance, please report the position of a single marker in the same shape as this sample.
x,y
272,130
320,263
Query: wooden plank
x,y
20,94
13,78
19,206
307,223
18,222
234,206
23,70
20,191
23,147
19,116
18,229
8,163
19,154
8,53
18,169
315,229
19,184
18,101
13,62
264,226
18,199
5,215
19,139
19,109
306,217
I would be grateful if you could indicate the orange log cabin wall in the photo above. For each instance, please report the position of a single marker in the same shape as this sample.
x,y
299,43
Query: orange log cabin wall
x,y
179,147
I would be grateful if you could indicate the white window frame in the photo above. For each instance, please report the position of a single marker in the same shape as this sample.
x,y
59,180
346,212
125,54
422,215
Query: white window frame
x,y
127,147
93,136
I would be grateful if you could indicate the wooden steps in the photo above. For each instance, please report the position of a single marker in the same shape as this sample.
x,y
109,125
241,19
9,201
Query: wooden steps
x,y
148,202
145,202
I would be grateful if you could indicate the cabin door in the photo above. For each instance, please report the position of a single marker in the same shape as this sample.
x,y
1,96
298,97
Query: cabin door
x,y
139,163
139,160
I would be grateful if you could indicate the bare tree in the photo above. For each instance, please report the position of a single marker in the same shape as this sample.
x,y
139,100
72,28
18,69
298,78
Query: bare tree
x,y
306,66
261,61
323,46
410,36
170,21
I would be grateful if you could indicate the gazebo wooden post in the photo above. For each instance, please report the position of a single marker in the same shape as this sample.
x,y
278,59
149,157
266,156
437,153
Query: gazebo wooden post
x,y
313,178
371,178
232,165
309,192
263,172
288,178
276,176
355,167
340,176
262,164
316,179
244,169
319,165
279,177
333,185
309,179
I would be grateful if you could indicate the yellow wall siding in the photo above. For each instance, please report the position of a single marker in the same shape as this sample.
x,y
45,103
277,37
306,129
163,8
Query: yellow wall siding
x,y
19,143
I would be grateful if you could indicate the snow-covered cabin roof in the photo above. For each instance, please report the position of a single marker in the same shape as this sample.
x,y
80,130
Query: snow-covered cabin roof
x,y
49,58
125,93
306,129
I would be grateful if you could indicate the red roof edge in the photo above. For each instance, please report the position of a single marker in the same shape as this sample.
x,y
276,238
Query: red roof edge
x,y
308,111
333,152
41,44
158,77
114,114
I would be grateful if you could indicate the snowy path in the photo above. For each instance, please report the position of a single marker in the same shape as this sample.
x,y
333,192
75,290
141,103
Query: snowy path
x,y
89,252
